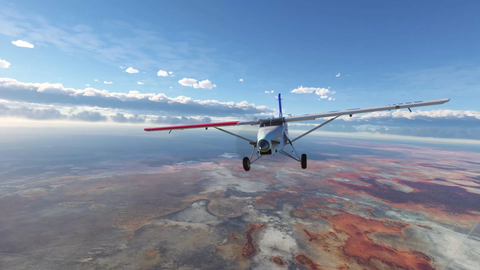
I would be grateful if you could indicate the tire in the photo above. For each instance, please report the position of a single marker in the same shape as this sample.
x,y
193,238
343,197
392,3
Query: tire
x,y
246,164
304,161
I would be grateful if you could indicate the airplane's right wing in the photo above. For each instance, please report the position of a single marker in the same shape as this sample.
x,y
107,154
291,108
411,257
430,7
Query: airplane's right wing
x,y
397,106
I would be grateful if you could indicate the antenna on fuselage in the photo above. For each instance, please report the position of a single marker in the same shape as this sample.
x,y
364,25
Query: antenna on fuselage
x,y
280,114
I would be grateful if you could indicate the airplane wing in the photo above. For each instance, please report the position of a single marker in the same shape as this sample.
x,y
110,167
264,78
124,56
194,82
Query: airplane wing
x,y
367,110
206,125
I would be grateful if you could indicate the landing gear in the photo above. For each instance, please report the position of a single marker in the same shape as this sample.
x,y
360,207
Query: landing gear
x,y
246,164
304,161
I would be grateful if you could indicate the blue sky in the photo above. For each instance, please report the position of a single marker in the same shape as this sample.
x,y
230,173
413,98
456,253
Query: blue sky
x,y
365,53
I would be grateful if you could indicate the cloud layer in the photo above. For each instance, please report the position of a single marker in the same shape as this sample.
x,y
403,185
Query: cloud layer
x,y
47,93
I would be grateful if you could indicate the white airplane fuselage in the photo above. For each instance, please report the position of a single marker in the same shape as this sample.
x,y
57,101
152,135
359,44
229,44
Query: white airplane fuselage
x,y
272,139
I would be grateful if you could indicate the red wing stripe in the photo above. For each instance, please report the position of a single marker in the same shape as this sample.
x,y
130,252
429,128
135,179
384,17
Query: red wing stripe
x,y
231,123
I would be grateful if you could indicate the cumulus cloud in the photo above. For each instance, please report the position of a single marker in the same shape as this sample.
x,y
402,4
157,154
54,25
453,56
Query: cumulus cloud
x,y
309,90
28,113
170,72
269,92
24,44
162,73
187,82
140,83
338,75
87,84
105,82
4,64
88,116
121,67
241,80
131,70
96,80
170,120
460,124
47,93
206,84
120,118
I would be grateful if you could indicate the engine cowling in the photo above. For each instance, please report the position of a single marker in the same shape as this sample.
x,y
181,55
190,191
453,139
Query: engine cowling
x,y
263,145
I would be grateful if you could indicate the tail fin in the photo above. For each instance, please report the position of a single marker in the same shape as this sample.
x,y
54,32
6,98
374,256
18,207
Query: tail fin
x,y
280,115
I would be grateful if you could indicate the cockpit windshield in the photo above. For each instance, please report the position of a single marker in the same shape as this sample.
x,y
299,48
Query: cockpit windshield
x,y
271,122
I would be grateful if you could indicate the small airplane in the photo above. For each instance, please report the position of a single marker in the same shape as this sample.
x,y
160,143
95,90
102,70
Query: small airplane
x,y
272,136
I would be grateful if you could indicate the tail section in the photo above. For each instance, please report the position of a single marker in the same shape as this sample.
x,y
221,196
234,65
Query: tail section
x,y
280,115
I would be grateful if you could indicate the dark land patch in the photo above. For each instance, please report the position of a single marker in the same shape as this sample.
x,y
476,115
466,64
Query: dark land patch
x,y
453,199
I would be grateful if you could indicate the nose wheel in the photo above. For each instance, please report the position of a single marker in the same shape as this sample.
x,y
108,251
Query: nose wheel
x,y
246,164
304,161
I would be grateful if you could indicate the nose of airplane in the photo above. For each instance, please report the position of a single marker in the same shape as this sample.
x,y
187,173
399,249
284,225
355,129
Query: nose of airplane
x,y
263,145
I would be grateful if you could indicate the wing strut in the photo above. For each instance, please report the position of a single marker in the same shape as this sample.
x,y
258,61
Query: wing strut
x,y
315,128
238,136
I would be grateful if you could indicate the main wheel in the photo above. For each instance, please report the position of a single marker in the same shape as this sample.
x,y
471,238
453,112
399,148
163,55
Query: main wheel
x,y
246,164
304,161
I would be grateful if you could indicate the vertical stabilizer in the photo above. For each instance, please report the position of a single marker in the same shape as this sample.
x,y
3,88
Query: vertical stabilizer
x,y
280,114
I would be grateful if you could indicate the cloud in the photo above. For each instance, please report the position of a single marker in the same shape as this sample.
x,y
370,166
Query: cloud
x,y
120,118
24,44
131,70
309,90
96,80
105,82
140,83
87,84
272,91
169,120
187,82
170,72
4,64
162,73
121,67
436,123
88,117
34,114
206,84
338,75
269,92
47,93
330,99
127,43
241,80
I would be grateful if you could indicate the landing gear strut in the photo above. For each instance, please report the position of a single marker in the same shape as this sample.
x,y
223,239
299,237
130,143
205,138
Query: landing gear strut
x,y
248,161
302,159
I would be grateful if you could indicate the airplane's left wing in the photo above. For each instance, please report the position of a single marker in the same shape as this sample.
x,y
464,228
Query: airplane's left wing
x,y
205,125
396,106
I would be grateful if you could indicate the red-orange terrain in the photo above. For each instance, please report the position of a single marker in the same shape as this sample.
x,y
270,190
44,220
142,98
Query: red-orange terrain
x,y
304,260
249,249
278,261
360,247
